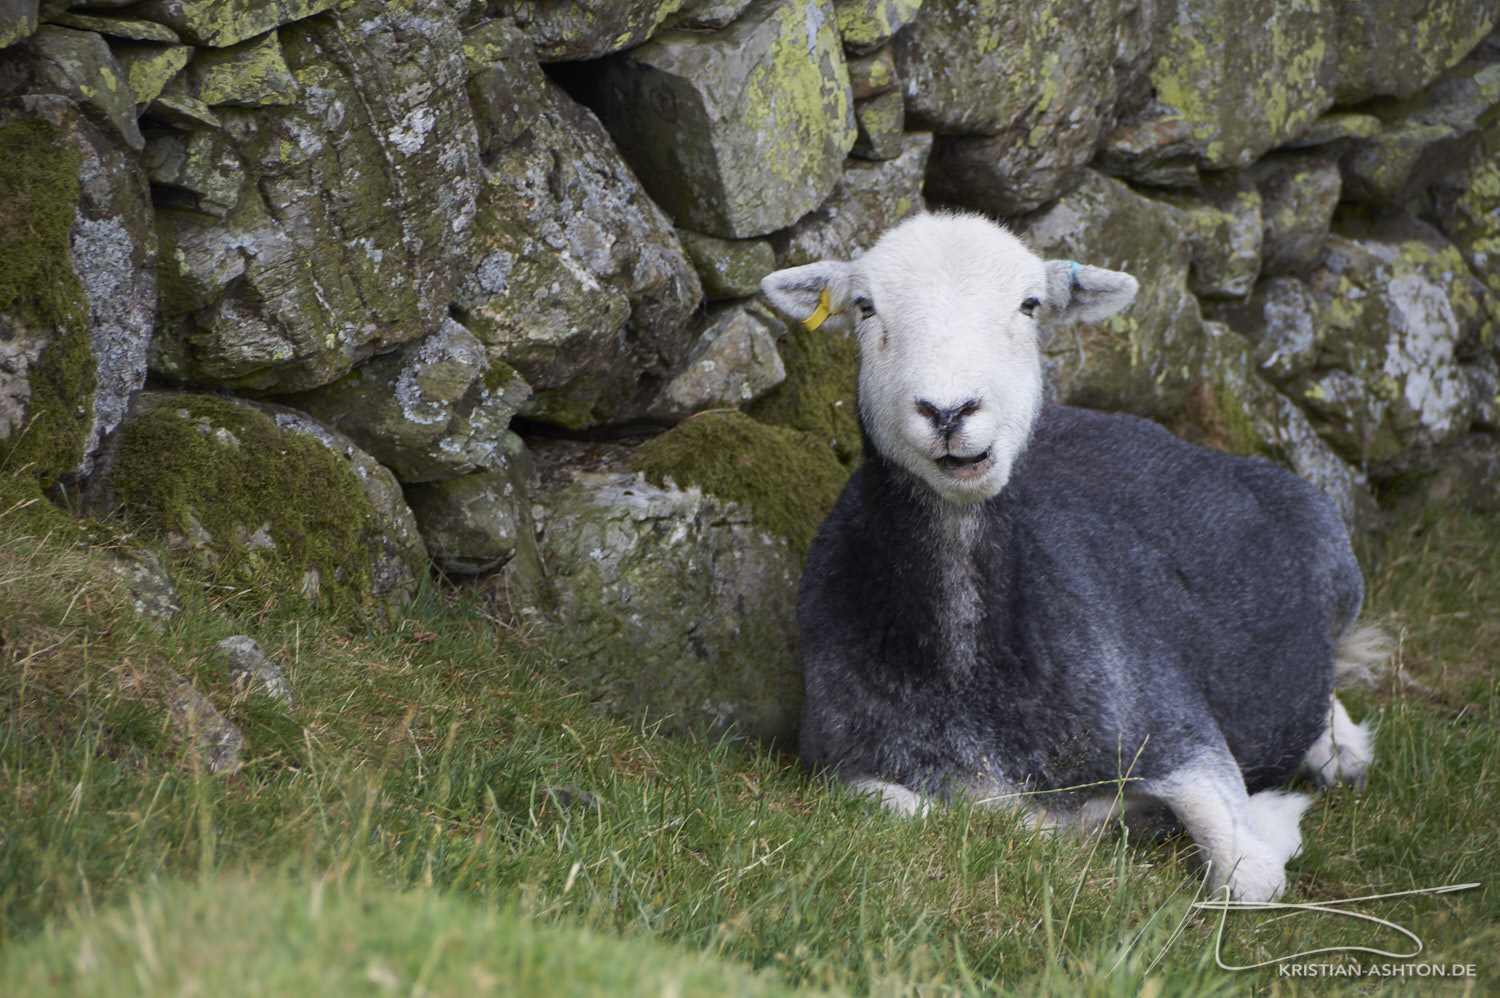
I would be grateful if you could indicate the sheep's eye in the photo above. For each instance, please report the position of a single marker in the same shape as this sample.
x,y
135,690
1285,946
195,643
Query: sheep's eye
x,y
865,306
1029,306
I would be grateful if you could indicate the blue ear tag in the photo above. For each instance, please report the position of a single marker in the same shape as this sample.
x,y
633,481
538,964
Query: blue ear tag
x,y
1073,274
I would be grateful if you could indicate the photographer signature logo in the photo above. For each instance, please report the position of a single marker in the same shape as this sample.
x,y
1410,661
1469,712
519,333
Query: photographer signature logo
x,y
1337,908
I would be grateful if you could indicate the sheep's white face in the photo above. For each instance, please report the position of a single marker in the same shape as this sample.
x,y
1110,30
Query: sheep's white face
x,y
946,310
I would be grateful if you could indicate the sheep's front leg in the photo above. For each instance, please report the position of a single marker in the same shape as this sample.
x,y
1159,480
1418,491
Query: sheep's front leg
x,y
1245,840
893,796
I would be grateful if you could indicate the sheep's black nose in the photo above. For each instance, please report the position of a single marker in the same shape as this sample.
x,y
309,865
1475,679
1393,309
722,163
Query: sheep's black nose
x,y
946,420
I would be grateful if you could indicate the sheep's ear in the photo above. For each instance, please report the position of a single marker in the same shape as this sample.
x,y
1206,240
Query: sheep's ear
x,y
1079,292
817,295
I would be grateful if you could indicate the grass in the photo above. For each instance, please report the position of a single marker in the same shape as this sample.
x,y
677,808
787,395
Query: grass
x,y
439,814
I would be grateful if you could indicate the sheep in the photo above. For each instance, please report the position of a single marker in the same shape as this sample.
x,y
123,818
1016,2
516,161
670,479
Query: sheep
x,y
1069,611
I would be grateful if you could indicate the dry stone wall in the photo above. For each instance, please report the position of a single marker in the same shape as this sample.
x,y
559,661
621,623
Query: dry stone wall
x,y
434,238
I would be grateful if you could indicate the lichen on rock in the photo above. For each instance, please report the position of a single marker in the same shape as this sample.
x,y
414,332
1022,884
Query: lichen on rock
x,y
738,132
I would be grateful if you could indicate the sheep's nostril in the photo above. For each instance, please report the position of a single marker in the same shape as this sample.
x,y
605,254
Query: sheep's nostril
x,y
946,419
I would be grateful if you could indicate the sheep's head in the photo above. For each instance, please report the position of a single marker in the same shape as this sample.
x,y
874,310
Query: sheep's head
x,y
946,309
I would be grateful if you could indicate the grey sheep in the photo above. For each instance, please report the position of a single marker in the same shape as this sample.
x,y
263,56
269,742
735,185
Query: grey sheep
x,y
1062,610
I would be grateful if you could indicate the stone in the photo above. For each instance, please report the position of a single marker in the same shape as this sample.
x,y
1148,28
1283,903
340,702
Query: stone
x,y
1399,311
507,89
251,670
1152,147
1299,193
873,74
268,498
198,170
1423,139
75,324
150,585
1145,359
1376,61
1223,221
1465,475
665,600
577,279
130,28
435,408
738,132
708,15
480,522
880,119
149,68
733,363
728,268
866,25
18,19
589,29
220,23
870,197
1234,410
1019,91
177,106
355,220
1335,126
818,396
78,65
250,74
216,742
1246,84
1467,206
1282,320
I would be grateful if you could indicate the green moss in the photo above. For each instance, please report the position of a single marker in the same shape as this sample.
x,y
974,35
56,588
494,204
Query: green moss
x,y
39,289
818,395
789,479
207,465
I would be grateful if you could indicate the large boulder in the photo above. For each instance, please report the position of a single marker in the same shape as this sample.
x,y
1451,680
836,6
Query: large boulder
x,y
1020,92
1467,204
1223,221
666,600
870,197
77,288
1235,410
1298,192
268,498
1397,313
1143,360
1246,84
738,132
353,214
1424,139
1394,48
588,29
79,66
435,408
480,522
219,23
578,280
733,363
19,20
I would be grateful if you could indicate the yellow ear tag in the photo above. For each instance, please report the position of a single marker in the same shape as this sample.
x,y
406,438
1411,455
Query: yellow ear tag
x,y
822,312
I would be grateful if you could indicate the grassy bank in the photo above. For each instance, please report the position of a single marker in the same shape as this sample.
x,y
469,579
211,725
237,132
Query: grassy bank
x,y
438,814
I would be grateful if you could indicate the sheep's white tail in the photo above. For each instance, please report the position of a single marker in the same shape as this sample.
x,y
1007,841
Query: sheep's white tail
x,y
1361,656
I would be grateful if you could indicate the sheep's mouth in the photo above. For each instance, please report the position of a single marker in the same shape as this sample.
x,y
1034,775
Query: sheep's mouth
x,y
965,467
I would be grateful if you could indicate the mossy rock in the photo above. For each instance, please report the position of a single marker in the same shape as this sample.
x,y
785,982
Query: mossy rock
x,y
46,364
819,393
268,500
789,479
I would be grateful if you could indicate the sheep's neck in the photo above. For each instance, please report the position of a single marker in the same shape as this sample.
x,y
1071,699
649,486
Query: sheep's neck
x,y
957,533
